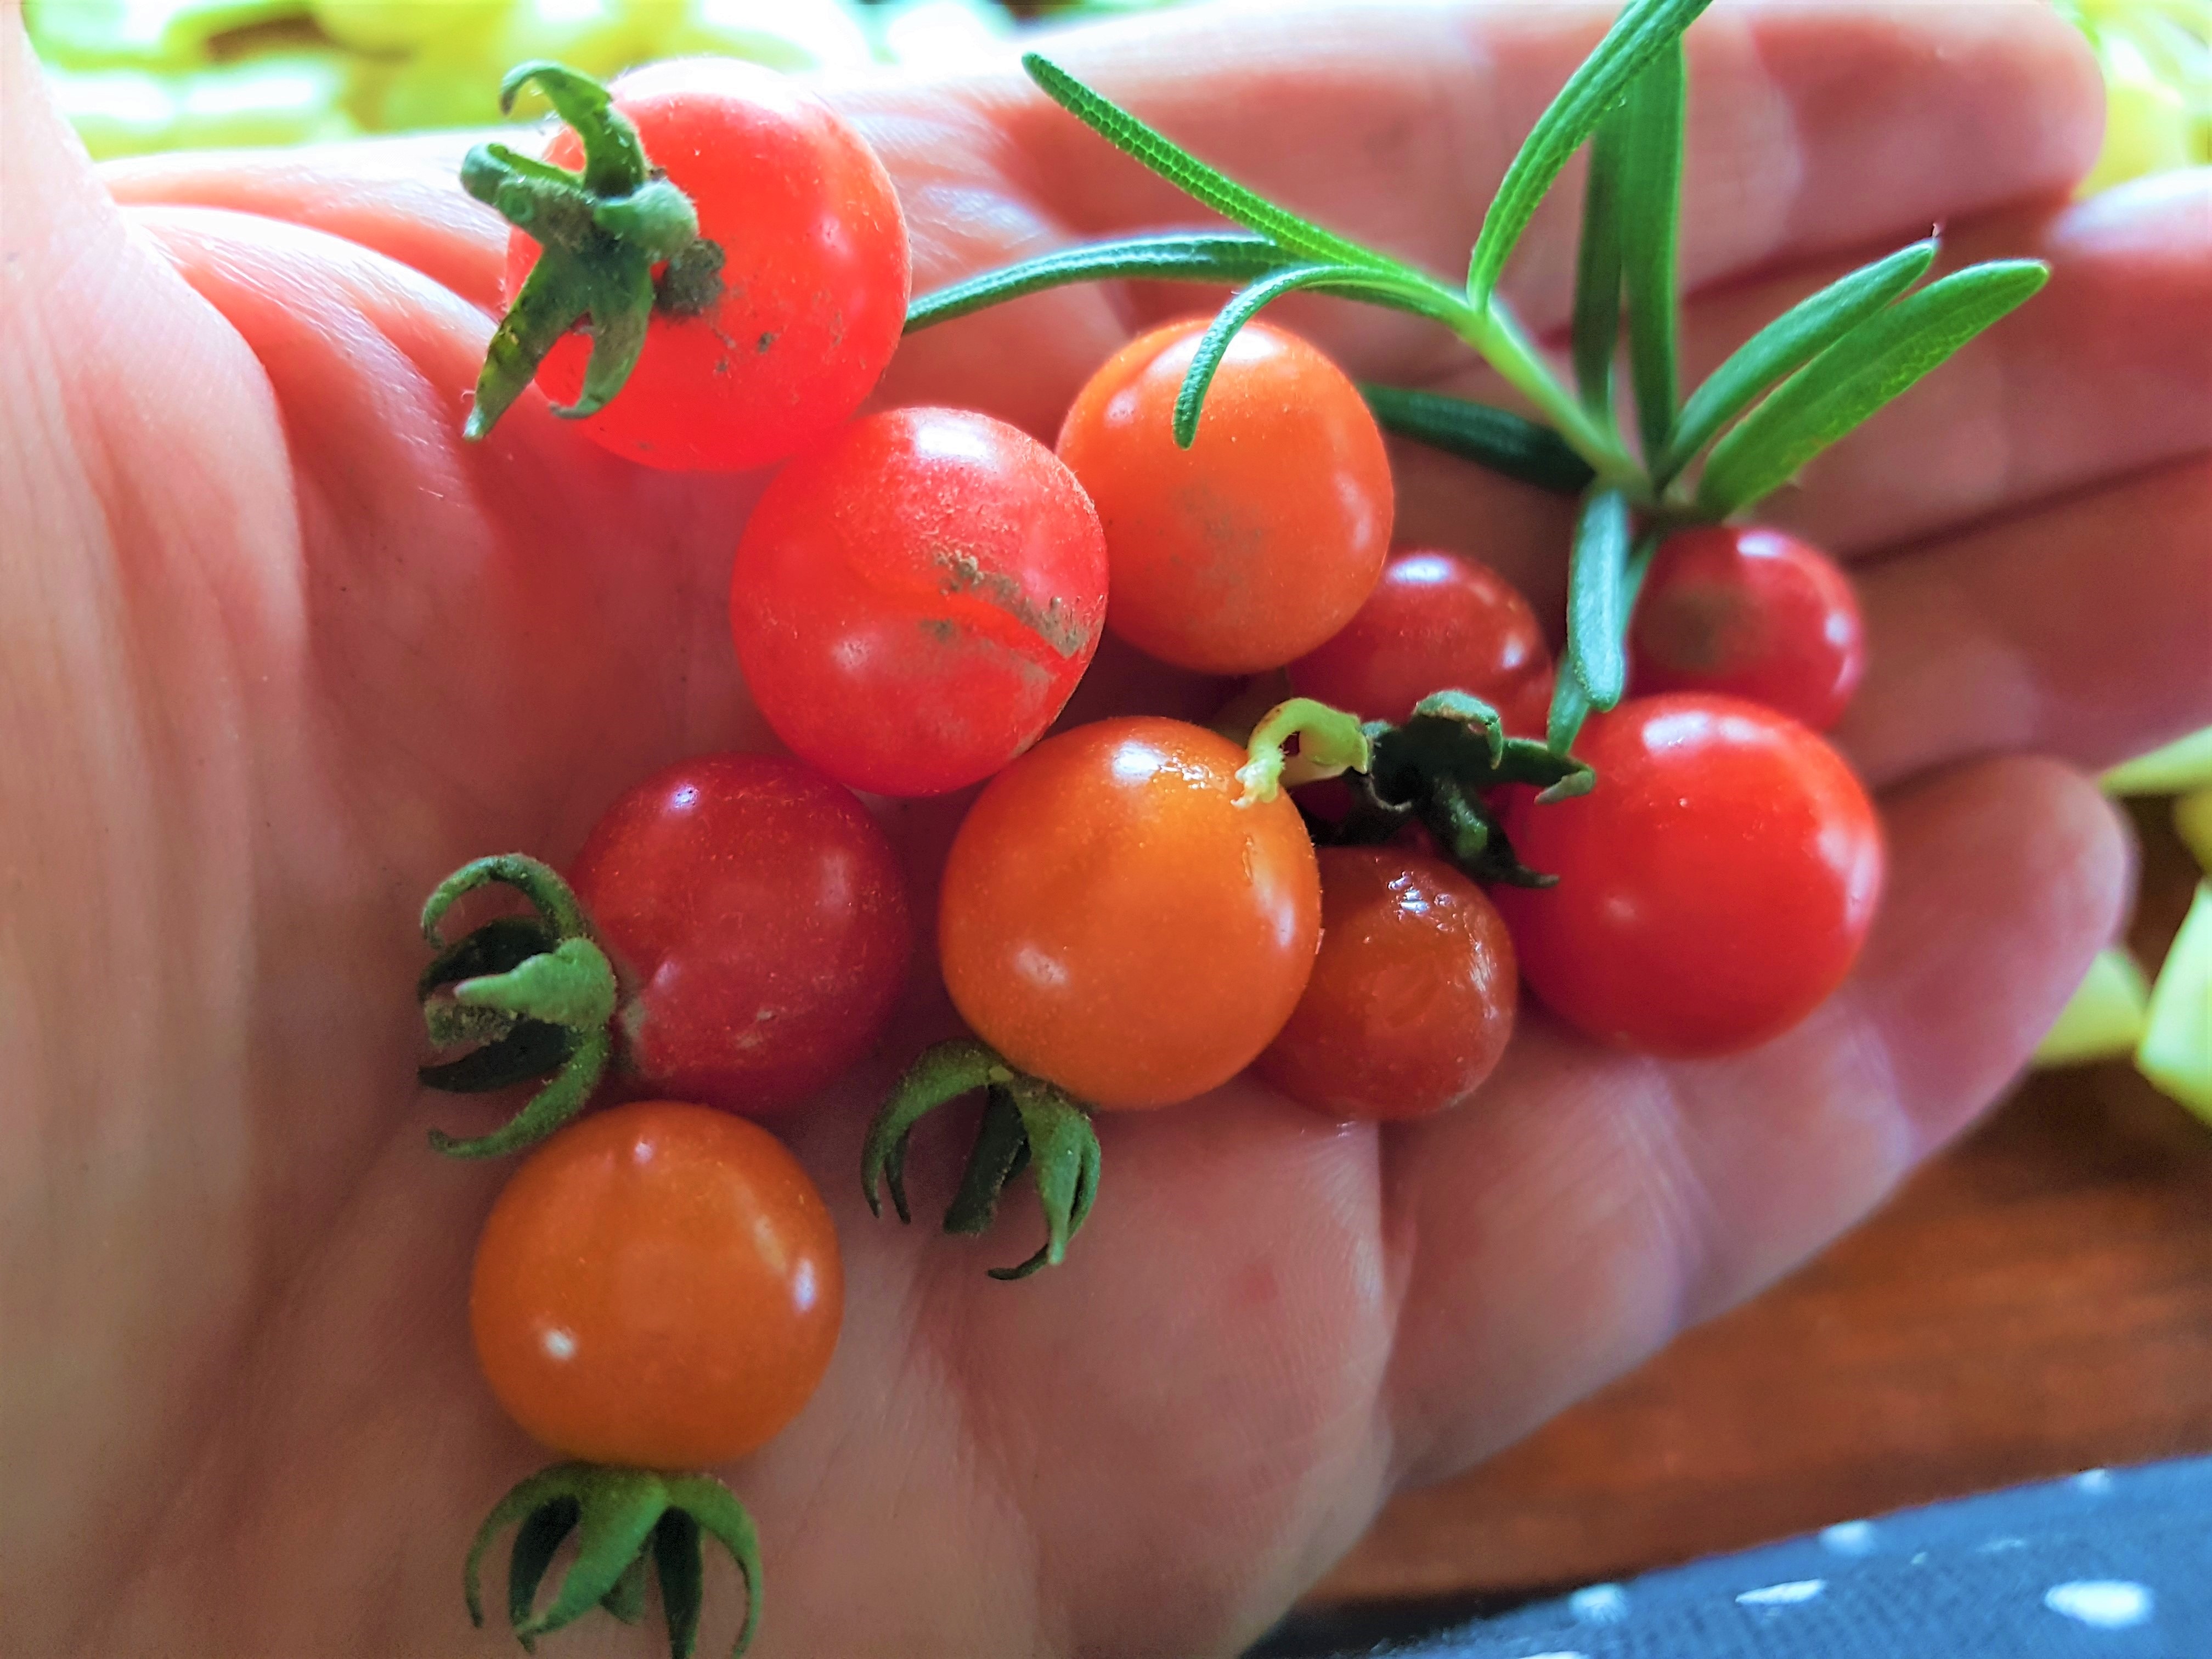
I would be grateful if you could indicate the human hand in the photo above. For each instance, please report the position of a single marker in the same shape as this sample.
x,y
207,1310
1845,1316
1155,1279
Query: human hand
x,y
280,651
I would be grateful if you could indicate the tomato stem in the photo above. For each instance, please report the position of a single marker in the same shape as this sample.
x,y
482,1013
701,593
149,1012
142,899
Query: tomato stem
x,y
603,232
618,1514
1330,743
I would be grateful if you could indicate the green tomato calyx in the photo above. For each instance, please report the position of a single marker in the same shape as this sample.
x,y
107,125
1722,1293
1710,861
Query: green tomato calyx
x,y
604,232
528,996
1027,1123
620,1517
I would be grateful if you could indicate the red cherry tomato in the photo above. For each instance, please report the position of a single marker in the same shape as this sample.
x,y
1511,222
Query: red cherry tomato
x,y
815,272
1436,622
1750,613
659,1286
913,601
1261,539
1412,997
1714,887
756,918
1113,922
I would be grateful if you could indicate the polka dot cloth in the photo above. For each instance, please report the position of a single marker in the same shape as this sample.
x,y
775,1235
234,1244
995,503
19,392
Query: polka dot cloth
x,y
2107,1565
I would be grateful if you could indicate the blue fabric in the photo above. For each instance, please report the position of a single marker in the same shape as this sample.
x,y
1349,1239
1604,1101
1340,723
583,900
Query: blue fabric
x,y
2109,1565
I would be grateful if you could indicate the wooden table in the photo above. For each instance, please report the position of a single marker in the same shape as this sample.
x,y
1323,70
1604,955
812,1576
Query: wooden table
x,y
2037,1301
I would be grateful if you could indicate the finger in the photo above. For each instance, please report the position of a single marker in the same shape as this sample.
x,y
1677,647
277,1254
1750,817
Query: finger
x,y
1812,128
1589,1205
2084,630
2107,371
400,198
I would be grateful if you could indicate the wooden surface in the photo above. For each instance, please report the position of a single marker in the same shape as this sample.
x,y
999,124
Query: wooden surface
x,y
2037,1301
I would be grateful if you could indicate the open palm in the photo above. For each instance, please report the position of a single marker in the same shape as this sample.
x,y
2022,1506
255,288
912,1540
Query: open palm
x,y
276,650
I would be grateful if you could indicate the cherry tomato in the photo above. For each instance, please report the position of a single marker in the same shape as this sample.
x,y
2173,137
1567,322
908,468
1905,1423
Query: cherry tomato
x,y
659,1286
1436,622
1714,887
1411,1001
814,276
1750,613
1261,539
756,919
913,601
1113,922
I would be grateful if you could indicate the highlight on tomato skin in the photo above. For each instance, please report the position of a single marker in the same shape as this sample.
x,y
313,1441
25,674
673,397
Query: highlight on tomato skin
x,y
815,267
1750,612
1113,922
1412,1000
756,918
1715,887
1436,621
914,600
1261,539
658,1286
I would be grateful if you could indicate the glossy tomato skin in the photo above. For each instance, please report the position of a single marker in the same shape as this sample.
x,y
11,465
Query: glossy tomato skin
x,y
914,600
757,917
815,272
1750,613
1412,1000
1715,887
1436,622
1113,922
1260,540
659,1286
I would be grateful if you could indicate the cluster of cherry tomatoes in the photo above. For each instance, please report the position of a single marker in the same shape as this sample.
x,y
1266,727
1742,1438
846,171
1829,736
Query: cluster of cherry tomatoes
x,y
1132,912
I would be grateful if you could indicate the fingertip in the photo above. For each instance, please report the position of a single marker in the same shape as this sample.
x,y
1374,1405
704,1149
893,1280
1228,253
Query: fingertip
x,y
2009,875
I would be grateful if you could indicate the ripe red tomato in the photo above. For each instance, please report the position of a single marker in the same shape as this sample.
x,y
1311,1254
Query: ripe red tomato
x,y
1113,922
1412,997
1714,887
1261,539
1750,613
913,601
756,919
658,1286
1436,622
815,272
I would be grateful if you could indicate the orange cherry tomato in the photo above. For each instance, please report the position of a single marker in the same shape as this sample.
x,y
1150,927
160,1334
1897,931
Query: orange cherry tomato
x,y
1412,998
1262,538
658,1286
1113,922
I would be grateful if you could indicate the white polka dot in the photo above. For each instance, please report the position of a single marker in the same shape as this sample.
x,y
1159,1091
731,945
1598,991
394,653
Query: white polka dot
x,y
1999,1545
2094,1480
2101,1603
1848,1538
1599,1604
1783,1596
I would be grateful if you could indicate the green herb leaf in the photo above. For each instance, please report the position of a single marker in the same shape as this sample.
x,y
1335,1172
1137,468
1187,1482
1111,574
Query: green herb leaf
x,y
1192,176
1643,29
1349,280
1496,438
1786,345
1650,211
1596,616
1855,376
1597,272
1216,258
1573,698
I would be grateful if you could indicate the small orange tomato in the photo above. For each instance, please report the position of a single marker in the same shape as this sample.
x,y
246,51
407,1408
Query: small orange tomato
x,y
1113,922
1412,998
1260,540
658,1286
